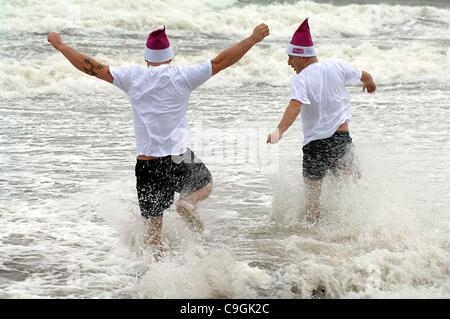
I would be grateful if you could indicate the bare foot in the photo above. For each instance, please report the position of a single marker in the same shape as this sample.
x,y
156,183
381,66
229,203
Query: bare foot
x,y
157,250
312,218
188,212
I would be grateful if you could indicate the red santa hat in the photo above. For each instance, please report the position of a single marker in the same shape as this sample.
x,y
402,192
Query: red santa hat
x,y
158,48
301,43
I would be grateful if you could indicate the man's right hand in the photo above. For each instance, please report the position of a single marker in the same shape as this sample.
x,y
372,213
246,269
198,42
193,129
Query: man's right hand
x,y
370,87
230,56
260,32
368,82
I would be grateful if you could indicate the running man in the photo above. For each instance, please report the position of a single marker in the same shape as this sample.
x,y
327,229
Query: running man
x,y
159,95
318,93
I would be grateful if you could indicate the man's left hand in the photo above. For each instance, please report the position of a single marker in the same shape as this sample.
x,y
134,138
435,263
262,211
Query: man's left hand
x,y
55,39
274,137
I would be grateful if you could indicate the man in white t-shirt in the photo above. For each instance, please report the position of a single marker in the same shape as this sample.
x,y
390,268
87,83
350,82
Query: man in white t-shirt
x,y
318,93
159,95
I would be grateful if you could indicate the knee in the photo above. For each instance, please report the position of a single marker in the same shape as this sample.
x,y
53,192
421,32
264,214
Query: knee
x,y
199,195
206,191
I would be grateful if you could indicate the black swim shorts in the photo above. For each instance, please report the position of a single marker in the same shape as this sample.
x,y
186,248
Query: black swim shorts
x,y
333,154
157,181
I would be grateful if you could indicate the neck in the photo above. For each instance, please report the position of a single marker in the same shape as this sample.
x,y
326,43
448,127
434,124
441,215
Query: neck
x,y
157,64
308,62
311,60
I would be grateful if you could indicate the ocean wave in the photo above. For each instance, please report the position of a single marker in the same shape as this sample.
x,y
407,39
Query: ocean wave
x,y
227,17
264,65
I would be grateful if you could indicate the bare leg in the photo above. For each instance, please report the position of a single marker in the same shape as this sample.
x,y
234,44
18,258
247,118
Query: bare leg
x,y
154,235
348,166
199,195
186,207
312,196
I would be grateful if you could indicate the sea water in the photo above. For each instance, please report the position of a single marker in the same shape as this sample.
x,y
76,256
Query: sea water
x,y
70,225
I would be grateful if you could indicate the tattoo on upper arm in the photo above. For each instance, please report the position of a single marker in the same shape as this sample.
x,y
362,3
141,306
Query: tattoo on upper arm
x,y
91,66
90,69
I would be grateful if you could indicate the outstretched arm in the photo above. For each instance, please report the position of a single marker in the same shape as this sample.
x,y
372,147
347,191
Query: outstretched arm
x,y
291,113
82,62
230,56
368,82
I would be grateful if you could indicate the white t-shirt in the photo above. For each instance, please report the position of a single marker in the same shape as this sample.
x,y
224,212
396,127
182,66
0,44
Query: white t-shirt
x,y
320,88
160,97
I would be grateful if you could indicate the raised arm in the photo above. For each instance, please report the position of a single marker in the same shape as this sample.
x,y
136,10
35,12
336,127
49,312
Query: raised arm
x,y
230,56
82,62
291,113
368,82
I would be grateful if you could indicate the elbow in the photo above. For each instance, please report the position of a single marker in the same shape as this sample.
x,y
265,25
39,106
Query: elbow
x,y
366,77
294,106
217,66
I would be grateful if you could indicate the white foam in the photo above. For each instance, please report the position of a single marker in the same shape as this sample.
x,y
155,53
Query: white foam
x,y
263,65
203,274
396,43
376,240
224,17
372,242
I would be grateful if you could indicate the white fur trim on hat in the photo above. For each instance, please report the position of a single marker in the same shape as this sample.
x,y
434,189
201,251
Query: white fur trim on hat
x,y
296,50
158,55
